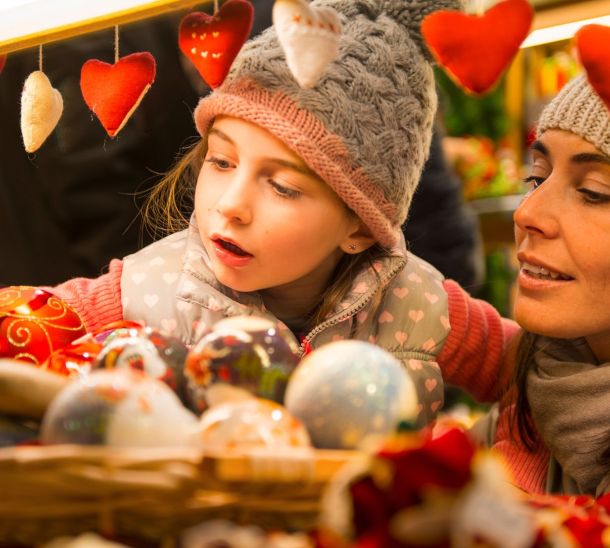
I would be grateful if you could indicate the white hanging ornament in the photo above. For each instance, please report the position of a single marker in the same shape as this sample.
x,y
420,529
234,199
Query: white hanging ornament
x,y
41,109
309,36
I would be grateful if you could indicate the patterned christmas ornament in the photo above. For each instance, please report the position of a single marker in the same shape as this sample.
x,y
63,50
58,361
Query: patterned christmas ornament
x,y
211,42
346,391
247,424
146,349
238,358
74,359
113,92
593,46
34,323
476,49
41,109
309,36
119,407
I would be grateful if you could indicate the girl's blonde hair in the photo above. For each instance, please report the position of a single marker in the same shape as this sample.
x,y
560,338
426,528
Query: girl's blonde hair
x,y
168,207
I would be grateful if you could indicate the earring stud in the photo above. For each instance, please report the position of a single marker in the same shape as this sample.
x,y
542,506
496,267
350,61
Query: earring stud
x,y
352,247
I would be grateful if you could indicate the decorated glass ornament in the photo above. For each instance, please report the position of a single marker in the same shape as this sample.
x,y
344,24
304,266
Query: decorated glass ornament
x,y
79,356
121,328
240,357
249,423
17,431
119,407
74,359
346,391
34,323
146,349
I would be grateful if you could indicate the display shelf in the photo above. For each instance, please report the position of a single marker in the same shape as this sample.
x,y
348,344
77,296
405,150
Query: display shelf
x,y
29,23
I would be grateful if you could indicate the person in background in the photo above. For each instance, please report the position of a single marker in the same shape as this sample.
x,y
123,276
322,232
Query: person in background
x,y
299,197
71,206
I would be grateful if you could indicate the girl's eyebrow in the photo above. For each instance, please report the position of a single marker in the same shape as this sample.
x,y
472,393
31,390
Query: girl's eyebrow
x,y
220,134
280,161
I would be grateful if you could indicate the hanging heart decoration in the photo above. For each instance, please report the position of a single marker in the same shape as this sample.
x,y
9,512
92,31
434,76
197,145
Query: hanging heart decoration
x,y
41,109
113,92
309,36
593,46
2,62
211,42
476,49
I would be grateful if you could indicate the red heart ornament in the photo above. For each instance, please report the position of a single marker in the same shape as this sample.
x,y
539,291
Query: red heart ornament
x,y
211,42
2,62
476,49
593,46
113,92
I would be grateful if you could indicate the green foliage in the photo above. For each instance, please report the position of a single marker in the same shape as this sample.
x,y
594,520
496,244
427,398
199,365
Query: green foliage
x,y
465,114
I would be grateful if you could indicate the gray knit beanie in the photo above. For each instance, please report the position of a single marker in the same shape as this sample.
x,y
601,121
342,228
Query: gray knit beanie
x,y
365,127
579,109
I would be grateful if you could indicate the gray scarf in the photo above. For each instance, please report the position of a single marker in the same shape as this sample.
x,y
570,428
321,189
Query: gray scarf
x,y
569,395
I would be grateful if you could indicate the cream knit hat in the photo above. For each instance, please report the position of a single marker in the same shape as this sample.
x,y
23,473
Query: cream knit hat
x,y
579,109
365,127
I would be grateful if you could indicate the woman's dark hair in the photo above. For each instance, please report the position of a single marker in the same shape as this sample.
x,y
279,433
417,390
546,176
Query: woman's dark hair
x,y
521,416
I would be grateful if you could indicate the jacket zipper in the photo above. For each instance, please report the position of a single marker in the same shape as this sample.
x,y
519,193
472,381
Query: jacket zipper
x,y
351,311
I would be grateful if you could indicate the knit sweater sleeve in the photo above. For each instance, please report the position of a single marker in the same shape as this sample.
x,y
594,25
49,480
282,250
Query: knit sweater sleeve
x,y
479,353
97,301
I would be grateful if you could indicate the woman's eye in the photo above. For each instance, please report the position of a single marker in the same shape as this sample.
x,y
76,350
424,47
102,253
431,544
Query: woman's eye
x,y
593,197
533,182
219,162
284,191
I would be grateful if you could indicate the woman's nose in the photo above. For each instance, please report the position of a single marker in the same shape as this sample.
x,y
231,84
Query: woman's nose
x,y
538,211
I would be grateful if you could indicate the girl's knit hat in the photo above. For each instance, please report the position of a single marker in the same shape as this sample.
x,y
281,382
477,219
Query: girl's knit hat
x,y
579,109
365,127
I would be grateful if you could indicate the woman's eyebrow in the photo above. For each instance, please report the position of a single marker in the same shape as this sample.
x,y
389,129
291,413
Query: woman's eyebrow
x,y
538,146
590,157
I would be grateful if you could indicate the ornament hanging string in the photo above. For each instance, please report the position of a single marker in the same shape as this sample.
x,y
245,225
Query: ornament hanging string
x,y
116,44
40,58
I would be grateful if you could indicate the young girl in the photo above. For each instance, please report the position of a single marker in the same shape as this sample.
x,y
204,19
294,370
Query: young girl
x,y
562,229
298,199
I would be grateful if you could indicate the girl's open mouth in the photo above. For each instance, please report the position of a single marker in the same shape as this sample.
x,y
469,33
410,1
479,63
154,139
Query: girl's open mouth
x,y
233,248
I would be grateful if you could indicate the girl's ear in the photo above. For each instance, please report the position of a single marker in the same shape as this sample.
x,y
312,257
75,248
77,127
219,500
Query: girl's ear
x,y
359,240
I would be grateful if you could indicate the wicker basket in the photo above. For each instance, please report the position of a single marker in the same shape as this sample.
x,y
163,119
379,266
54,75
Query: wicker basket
x,y
50,491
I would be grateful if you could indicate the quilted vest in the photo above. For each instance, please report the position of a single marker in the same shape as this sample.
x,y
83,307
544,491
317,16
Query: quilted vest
x,y
170,285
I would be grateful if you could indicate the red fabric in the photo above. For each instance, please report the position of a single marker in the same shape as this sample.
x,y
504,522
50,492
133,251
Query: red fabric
x,y
479,356
113,92
592,45
98,300
476,49
211,42
479,352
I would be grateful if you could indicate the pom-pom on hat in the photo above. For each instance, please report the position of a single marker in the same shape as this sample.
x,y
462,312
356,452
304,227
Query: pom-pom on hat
x,y
365,127
579,109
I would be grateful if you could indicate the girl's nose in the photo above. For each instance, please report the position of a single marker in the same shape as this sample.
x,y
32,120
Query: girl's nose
x,y
235,203
538,211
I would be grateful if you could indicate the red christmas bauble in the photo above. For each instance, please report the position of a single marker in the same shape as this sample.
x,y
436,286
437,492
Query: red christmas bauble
x,y
34,323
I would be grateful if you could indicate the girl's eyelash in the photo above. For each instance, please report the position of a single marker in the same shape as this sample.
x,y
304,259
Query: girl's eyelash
x,y
218,162
283,191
